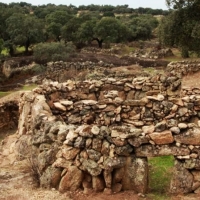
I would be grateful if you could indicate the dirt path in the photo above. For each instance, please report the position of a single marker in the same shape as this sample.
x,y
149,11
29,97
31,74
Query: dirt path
x,y
191,80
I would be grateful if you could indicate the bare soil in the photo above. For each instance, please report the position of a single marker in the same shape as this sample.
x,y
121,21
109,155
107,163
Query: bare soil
x,y
191,80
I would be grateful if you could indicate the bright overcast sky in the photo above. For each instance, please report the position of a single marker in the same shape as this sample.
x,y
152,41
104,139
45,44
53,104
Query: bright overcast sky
x,y
155,4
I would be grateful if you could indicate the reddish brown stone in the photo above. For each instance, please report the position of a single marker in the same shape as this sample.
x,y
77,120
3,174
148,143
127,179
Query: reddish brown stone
x,y
164,137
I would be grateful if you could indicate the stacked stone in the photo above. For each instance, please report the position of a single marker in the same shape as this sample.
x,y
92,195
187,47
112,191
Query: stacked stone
x,y
183,67
154,54
190,91
97,135
60,65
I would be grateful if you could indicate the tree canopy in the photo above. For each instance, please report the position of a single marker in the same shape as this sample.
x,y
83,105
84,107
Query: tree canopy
x,y
22,24
177,4
181,27
24,30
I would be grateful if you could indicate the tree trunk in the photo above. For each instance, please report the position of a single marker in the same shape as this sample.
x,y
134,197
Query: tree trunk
x,y
58,38
100,42
27,46
11,50
184,52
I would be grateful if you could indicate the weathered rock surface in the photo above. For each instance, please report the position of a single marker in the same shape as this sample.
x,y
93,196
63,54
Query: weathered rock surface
x,y
182,180
71,180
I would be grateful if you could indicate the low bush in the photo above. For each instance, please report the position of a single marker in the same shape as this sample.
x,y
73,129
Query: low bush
x,y
54,51
38,69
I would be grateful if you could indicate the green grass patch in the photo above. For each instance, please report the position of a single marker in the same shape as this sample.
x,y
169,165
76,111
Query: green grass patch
x,y
160,175
3,94
23,88
29,87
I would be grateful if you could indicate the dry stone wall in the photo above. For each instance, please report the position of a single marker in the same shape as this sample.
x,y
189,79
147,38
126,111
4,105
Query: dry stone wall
x,y
183,67
97,135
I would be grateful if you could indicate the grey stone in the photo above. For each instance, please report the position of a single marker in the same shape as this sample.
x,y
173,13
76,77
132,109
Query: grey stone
x,y
93,155
124,151
161,126
91,167
182,180
79,142
50,178
175,130
97,144
112,163
135,177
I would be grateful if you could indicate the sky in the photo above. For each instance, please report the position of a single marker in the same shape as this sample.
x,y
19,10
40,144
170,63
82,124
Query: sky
x,y
155,4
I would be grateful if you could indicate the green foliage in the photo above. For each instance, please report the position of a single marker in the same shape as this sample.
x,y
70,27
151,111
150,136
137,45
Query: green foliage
x,y
110,29
142,26
54,30
86,31
5,13
181,28
86,28
85,16
121,9
38,69
178,4
46,52
24,30
58,17
108,14
43,11
55,21
70,29
24,24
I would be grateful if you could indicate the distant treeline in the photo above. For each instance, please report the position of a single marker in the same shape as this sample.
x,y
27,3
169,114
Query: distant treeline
x,y
22,24
119,9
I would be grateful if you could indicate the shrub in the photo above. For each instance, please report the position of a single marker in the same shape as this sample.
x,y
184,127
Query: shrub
x,y
38,69
46,52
